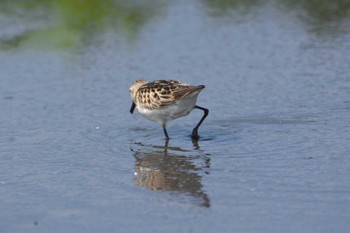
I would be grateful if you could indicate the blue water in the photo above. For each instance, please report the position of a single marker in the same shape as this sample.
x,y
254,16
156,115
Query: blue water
x,y
273,154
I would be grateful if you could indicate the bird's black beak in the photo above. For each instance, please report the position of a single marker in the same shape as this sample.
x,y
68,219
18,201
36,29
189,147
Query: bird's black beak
x,y
133,105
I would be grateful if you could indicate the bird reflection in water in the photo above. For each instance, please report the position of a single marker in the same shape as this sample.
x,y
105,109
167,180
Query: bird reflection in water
x,y
172,169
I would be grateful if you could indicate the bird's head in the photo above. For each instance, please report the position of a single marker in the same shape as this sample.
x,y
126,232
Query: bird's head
x,y
135,86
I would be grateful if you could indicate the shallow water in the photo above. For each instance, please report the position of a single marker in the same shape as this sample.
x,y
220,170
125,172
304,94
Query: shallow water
x,y
273,153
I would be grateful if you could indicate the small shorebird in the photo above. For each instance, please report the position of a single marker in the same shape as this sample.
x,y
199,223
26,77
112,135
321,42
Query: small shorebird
x,y
166,100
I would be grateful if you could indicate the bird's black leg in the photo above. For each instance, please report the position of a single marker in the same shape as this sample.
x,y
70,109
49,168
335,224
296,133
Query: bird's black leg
x,y
195,129
165,132
133,105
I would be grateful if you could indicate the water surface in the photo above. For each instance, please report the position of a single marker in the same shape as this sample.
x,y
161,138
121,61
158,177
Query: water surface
x,y
273,153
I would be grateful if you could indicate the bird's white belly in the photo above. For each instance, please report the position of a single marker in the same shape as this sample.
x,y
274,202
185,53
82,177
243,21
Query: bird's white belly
x,y
178,109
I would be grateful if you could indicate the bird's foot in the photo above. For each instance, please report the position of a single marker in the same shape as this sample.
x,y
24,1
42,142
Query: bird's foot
x,y
195,135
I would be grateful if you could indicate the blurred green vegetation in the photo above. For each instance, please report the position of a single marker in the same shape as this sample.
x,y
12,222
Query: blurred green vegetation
x,y
318,11
320,17
322,11
69,23
224,7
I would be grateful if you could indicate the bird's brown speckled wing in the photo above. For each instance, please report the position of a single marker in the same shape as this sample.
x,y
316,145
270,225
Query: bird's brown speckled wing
x,y
162,93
